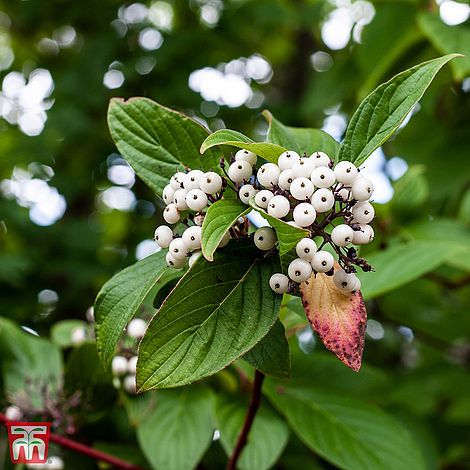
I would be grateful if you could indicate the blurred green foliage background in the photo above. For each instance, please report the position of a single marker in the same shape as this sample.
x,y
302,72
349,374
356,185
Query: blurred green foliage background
x,y
72,213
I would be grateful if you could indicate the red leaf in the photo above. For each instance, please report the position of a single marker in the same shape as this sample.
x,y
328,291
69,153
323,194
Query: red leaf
x,y
338,319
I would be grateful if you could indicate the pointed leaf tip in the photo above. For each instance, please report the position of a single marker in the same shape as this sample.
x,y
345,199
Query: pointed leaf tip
x,y
338,319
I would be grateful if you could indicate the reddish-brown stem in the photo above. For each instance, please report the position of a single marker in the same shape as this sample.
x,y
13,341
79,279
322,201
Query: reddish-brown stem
x,y
85,450
250,417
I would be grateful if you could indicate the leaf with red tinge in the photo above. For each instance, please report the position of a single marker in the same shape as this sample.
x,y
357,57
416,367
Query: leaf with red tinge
x,y
339,319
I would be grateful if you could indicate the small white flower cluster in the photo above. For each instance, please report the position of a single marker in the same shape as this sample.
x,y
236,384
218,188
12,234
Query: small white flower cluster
x,y
189,194
124,365
309,193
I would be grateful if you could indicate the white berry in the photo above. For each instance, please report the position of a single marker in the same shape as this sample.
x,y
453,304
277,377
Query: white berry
x,y
278,207
322,200
119,366
179,199
54,463
323,177
163,236
299,270
345,172
174,262
301,188
362,189
168,193
247,191
321,159
288,159
246,156
192,179
263,197
285,179
211,182
136,328
193,258
345,194
240,171
322,261
345,281
304,214
268,175
177,180
279,283
196,199
192,237
129,384
304,167
13,413
171,214
342,235
132,365
178,248
265,238
78,335
306,249
363,236
363,212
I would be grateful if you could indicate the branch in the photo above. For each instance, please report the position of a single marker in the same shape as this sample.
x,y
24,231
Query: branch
x,y
85,450
250,417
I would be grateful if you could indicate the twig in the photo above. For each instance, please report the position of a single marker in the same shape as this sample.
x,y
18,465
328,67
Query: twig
x,y
85,450
250,417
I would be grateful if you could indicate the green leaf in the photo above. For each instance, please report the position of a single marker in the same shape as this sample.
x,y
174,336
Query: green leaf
x,y
265,150
300,139
380,114
287,235
447,39
219,218
178,432
266,441
61,332
28,364
119,299
403,263
216,313
411,191
271,355
157,141
347,433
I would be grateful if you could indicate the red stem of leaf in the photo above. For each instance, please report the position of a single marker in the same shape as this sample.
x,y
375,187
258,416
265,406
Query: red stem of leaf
x,y
250,417
85,450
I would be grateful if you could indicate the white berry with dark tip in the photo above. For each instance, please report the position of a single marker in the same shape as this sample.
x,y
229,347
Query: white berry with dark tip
x,y
306,249
322,200
279,207
345,172
168,193
246,156
192,179
268,175
247,191
171,214
174,262
299,270
285,179
321,159
322,261
362,189
304,167
177,180
304,214
263,197
178,248
342,235
210,182
323,177
163,236
192,237
240,171
265,238
363,212
288,159
364,235
196,199
279,283
179,199
302,188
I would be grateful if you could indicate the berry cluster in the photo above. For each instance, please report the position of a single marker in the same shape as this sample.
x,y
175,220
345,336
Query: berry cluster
x,y
309,192
186,197
124,365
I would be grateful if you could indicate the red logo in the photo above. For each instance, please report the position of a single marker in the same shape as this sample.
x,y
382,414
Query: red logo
x,y
29,442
